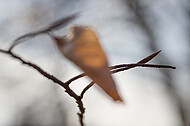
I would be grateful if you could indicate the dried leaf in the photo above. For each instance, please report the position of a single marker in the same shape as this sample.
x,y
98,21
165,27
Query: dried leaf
x,y
82,47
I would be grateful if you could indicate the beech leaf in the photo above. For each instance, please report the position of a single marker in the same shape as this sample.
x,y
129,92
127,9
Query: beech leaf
x,y
82,47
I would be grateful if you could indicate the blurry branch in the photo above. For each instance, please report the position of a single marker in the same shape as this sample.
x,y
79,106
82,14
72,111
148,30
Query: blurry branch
x,y
69,91
188,30
136,7
53,26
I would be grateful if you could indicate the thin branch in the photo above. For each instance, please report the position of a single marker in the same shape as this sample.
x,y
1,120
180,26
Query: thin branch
x,y
123,67
137,8
86,88
3,51
75,78
68,90
54,26
44,73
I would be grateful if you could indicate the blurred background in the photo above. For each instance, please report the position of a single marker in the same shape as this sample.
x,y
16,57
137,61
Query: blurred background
x,y
129,30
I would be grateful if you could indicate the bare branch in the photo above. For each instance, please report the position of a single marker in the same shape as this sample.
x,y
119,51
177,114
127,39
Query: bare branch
x,y
44,73
3,51
62,22
86,88
54,26
123,67
68,90
129,66
75,78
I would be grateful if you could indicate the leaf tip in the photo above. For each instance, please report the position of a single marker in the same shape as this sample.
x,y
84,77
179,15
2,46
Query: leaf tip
x,y
118,98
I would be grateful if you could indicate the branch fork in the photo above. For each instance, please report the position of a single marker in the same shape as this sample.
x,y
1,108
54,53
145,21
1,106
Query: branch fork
x,y
70,92
78,98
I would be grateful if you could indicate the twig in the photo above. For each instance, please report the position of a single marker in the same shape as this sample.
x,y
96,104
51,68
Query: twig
x,y
68,90
75,78
138,9
53,26
86,88
144,60
44,73
123,67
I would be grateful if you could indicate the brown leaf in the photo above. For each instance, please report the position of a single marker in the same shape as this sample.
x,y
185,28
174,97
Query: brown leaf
x,y
82,47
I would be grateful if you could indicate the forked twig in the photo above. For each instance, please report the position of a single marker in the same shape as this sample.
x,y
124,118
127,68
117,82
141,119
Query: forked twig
x,y
144,60
113,69
70,92
122,67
